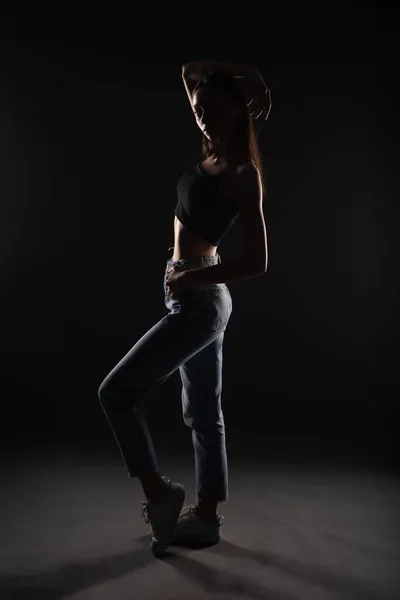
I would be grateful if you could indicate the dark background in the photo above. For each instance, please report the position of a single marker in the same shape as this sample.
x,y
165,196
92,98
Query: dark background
x,y
96,131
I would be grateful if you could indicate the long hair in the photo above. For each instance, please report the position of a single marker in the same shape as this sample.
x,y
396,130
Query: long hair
x,y
245,130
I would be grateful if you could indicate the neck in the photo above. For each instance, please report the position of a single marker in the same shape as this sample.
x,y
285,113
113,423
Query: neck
x,y
229,150
230,157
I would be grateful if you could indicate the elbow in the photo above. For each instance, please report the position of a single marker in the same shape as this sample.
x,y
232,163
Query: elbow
x,y
189,66
263,264
256,263
258,266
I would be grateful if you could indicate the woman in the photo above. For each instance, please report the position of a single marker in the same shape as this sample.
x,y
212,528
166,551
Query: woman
x,y
227,184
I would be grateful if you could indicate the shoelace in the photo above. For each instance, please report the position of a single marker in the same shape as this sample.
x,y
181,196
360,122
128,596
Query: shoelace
x,y
145,512
187,512
190,511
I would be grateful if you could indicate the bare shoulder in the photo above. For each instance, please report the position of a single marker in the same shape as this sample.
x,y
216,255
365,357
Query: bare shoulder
x,y
245,184
243,170
246,165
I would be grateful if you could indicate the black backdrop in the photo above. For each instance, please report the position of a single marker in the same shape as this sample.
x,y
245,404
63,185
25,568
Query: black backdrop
x,y
97,129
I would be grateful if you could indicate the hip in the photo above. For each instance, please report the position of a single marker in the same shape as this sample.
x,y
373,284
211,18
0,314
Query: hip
x,y
197,262
209,304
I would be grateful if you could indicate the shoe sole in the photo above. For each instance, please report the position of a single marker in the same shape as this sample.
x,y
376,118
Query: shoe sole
x,y
196,537
159,547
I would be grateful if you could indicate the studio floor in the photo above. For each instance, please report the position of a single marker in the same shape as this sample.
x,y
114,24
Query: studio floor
x,y
71,528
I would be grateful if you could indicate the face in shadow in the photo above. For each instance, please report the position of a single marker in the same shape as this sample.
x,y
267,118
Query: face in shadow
x,y
216,114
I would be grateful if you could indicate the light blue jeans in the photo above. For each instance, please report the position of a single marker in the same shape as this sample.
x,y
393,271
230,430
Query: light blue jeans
x,y
189,338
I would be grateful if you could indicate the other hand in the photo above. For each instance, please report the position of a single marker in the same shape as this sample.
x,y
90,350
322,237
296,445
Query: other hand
x,y
176,281
260,103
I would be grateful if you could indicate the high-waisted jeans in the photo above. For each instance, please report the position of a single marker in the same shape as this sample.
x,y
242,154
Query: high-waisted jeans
x,y
189,338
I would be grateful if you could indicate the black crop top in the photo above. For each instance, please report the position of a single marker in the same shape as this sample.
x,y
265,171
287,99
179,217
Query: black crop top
x,y
202,206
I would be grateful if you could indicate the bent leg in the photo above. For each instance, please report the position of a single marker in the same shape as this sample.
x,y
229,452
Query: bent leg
x,y
155,356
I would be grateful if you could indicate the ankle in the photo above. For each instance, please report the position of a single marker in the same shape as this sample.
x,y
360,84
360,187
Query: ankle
x,y
207,510
153,485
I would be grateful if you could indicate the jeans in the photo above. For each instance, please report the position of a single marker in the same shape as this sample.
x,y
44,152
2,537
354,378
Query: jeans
x,y
189,338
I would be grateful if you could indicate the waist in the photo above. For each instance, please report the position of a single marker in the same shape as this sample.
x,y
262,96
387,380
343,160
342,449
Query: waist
x,y
194,262
189,242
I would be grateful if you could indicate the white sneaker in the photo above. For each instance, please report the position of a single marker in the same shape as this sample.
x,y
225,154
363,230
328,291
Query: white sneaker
x,y
163,515
191,528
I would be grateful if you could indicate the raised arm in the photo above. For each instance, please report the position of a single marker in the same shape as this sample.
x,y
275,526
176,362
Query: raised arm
x,y
257,92
196,69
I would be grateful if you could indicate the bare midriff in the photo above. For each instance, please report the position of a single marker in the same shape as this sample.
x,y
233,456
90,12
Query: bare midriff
x,y
187,244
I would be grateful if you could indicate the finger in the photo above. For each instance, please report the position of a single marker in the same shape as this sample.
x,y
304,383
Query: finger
x,y
267,112
252,105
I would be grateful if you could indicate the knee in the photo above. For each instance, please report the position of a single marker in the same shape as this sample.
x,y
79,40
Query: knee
x,y
112,398
103,393
117,393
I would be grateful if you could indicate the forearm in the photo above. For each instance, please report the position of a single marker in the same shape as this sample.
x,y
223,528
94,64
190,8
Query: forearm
x,y
232,270
197,69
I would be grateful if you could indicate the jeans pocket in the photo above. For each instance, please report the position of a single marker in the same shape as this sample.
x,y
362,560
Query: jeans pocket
x,y
218,309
